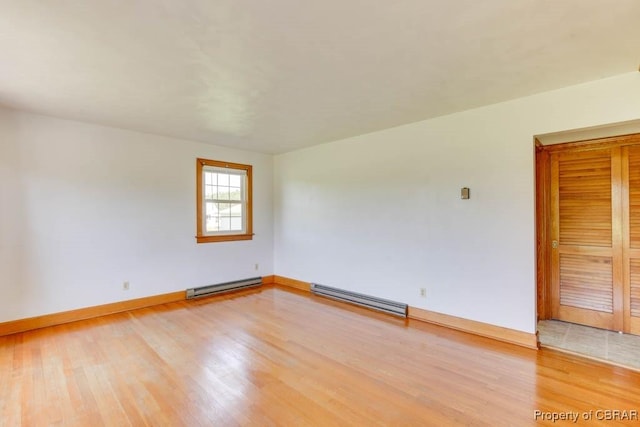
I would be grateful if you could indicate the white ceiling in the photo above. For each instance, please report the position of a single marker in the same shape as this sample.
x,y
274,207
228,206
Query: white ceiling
x,y
277,75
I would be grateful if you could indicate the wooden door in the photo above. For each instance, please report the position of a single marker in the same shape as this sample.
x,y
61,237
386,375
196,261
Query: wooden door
x,y
586,237
631,212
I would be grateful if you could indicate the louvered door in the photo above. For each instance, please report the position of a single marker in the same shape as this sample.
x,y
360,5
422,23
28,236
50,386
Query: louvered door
x,y
587,265
593,230
631,174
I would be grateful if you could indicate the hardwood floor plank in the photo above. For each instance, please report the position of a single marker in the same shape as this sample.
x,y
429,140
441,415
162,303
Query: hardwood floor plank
x,y
274,357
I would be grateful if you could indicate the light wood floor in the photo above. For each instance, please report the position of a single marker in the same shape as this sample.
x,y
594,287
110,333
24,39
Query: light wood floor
x,y
278,357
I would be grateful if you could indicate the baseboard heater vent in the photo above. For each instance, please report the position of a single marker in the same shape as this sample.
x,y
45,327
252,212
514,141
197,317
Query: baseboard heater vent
x,y
204,291
391,307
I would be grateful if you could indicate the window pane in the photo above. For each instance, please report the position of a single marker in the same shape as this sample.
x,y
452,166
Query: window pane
x,y
212,224
223,179
236,223
210,192
225,224
211,217
235,193
210,178
223,217
235,209
234,180
223,193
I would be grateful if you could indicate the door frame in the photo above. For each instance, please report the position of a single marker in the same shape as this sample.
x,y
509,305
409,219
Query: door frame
x,y
543,214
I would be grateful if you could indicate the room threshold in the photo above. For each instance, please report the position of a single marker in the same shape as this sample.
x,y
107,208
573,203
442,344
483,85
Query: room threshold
x,y
599,344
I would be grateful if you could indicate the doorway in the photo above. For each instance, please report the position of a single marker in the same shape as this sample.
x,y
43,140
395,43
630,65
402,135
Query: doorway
x,y
588,232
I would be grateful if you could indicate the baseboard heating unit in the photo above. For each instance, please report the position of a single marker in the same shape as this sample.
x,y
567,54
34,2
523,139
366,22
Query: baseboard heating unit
x,y
391,307
205,291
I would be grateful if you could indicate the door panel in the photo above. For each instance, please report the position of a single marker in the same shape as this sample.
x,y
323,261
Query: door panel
x,y
586,282
584,264
585,199
632,284
633,154
634,297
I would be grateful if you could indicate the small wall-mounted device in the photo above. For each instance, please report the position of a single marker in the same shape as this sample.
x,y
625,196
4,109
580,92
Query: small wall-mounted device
x,y
464,193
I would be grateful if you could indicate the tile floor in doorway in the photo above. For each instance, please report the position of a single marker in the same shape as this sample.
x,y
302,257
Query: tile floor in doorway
x,y
619,349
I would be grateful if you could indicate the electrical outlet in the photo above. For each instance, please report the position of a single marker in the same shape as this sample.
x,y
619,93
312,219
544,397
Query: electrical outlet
x,y
125,286
423,292
257,266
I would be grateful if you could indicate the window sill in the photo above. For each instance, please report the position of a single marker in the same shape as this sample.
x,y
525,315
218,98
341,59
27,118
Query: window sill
x,y
223,238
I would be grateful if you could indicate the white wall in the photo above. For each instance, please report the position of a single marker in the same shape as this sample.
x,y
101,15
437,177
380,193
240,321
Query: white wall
x,y
84,208
381,213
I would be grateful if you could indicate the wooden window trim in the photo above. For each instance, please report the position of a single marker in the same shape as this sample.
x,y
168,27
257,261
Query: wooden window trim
x,y
201,237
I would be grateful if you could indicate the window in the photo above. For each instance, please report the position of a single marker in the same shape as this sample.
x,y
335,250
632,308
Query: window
x,y
224,201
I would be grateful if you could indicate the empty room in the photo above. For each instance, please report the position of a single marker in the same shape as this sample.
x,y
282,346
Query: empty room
x,y
284,213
